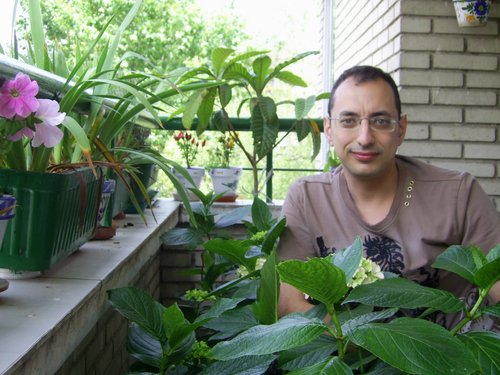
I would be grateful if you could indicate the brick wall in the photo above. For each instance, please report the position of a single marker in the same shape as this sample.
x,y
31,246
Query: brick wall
x,y
103,350
449,78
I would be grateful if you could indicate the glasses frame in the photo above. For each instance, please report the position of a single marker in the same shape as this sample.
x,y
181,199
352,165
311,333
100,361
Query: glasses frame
x,y
370,120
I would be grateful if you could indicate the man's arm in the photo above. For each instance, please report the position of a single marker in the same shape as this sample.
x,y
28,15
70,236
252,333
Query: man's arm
x,y
291,300
494,294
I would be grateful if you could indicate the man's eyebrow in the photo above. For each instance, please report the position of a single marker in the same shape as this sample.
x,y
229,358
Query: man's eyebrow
x,y
373,114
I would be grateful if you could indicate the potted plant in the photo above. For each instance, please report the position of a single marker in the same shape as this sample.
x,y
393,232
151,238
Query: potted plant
x,y
189,147
7,212
237,80
472,12
225,178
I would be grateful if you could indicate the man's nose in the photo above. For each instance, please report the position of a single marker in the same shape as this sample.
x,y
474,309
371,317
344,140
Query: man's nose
x,y
365,133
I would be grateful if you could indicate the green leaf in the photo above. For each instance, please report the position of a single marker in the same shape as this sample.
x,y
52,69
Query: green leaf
x,y
219,307
291,79
189,237
272,235
303,106
238,72
493,253
485,347
261,214
205,110
278,68
225,95
140,308
266,306
317,278
260,67
307,355
487,275
458,259
191,108
232,217
233,250
232,322
415,346
349,259
316,139
404,293
302,129
143,346
492,310
219,56
77,131
332,366
264,124
367,318
241,366
288,332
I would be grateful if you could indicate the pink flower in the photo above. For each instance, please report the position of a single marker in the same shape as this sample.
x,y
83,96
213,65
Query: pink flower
x,y
17,97
46,132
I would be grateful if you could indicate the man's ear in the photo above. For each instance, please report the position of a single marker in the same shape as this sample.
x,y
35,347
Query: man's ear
x,y
403,125
327,129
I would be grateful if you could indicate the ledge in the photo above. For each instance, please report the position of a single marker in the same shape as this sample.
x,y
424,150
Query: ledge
x,y
57,309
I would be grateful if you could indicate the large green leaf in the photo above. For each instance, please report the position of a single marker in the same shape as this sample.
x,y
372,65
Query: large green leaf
x,y
415,346
264,123
189,237
303,106
316,139
205,109
492,310
291,79
219,56
225,95
487,275
248,365
233,250
266,306
367,318
238,72
232,322
332,366
261,215
289,332
458,259
272,235
219,307
191,108
317,277
485,347
399,292
260,67
349,259
143,346
140,308
302,129
307,355
232,217
493,253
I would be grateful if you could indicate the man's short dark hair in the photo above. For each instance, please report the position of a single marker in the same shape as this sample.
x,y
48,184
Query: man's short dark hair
x,y
365,73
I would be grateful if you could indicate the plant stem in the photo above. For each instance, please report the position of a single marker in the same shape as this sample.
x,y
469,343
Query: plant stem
x,y
338,332
471,315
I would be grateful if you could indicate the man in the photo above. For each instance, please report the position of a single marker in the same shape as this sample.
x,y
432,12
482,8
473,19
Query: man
x,y
406,211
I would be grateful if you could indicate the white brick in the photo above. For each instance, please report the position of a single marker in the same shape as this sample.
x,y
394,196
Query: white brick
x,y
482,151
424,113
417,60
465,62
491,187
415,96
480,115
483,45
450,26
427,8
416,25
462,133
463,97
431,149
482,80
431,78
417,132
417,42
475,169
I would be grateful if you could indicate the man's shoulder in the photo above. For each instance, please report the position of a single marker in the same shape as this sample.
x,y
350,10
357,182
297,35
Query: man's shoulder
x,y
424,171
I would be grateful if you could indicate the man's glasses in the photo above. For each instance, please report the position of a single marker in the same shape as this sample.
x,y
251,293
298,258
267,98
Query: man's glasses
x,y
380,124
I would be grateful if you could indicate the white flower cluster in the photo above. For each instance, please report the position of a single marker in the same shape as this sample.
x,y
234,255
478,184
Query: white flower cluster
x,y
367,273
243,271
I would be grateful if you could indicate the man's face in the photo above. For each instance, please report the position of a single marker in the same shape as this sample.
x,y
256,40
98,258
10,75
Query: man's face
x,y
365,153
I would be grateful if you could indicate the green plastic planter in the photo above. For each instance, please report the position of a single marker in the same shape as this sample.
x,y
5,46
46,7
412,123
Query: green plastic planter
x,y
56,213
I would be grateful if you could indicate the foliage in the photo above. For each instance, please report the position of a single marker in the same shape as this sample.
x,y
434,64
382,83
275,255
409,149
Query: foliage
x,y
175,31
364,336
253,86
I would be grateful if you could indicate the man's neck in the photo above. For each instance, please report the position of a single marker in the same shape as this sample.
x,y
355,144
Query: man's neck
x,y
373,197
